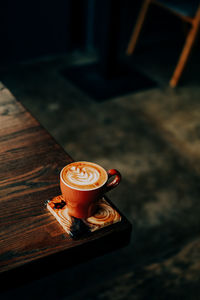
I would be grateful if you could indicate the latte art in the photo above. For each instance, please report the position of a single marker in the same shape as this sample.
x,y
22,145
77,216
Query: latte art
x,y
84,175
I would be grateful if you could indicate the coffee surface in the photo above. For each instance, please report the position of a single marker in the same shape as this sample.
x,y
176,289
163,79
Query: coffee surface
x,y
84,175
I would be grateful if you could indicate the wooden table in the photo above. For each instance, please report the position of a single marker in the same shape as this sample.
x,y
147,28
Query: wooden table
x,y
31,241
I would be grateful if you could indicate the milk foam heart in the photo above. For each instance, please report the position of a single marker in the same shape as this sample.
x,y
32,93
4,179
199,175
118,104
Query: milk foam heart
x,y
84,175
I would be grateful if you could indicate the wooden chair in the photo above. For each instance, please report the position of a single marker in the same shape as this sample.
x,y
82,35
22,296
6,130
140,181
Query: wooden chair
x,y
188,11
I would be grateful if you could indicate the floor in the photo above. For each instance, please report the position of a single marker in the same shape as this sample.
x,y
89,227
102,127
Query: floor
x,y
153,138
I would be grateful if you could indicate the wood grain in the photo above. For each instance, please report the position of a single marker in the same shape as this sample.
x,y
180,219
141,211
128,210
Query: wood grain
x,y
104,216
30,162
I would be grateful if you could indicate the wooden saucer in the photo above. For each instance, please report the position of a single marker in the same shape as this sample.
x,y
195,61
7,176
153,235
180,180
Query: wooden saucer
x,y
105,215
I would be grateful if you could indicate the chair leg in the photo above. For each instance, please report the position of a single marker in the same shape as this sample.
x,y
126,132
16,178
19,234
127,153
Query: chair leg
x,y
185,53
137,28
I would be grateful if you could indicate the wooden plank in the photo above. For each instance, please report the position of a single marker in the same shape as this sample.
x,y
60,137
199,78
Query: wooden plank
x,y
30,237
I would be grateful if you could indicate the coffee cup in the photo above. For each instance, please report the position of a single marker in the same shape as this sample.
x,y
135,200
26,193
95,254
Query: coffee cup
x,y
82,184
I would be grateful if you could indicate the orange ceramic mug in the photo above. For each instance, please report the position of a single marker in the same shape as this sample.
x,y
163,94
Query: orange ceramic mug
x,y
82,184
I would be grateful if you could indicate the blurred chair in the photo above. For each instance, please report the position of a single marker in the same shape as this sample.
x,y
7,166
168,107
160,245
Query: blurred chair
x,y
188,11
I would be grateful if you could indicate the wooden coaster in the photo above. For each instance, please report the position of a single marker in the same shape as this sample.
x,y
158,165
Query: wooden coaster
x,y
105,215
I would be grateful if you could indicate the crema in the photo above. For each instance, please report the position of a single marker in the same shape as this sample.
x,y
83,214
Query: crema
x,y
84,175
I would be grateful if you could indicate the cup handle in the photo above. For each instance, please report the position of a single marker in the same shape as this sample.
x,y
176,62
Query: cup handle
x,y
111,185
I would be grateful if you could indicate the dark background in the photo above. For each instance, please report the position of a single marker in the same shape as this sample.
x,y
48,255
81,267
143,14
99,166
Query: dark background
x,y
31,29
